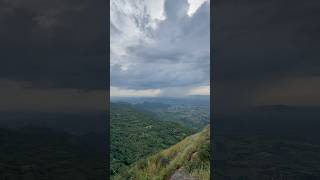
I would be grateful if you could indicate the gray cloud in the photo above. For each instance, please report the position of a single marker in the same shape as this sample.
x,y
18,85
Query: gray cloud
x,y
259,44
161,53
58,44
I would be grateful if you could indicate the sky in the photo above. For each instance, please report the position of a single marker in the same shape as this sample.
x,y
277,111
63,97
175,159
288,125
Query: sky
x,y
159,48
266,53
53,55
53,52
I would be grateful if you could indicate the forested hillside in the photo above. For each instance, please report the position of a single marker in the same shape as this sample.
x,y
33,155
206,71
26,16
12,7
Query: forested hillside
x,y
268,142
40,153
190,158
136,134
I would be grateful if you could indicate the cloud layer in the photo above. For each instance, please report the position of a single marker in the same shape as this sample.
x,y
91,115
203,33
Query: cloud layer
x,y
58,44
53,55
164,49
262,48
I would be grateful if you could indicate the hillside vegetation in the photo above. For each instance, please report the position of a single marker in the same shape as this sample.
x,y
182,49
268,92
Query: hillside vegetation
x,y
136,134
190,115
39,153
268,142
191,154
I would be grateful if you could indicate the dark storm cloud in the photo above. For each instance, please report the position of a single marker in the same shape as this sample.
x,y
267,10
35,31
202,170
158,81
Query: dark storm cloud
x,y
261,43
58,43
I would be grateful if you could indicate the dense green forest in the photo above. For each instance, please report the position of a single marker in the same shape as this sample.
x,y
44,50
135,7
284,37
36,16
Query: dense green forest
x,y
191,114
240,156
136,134
268,142
40,153
188,159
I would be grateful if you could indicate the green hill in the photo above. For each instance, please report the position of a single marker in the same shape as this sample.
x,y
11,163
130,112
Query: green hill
x,y
192,155
41,153
136,134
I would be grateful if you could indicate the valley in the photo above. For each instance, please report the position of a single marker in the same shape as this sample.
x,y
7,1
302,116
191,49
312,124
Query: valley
x,y
151,139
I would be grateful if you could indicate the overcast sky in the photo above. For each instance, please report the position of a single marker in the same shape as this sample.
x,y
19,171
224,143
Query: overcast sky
x,y
266,53
160,48
53,55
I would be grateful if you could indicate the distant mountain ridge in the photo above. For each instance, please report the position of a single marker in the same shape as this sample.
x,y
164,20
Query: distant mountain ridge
x,y
193,112
196,99
298,121
78,122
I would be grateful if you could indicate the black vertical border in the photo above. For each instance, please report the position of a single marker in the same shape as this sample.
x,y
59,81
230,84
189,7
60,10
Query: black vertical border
x,y
108,91
211,89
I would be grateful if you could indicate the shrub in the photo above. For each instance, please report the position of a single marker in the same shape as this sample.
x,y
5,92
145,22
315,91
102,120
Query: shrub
x,y
163,161
204,152
142,164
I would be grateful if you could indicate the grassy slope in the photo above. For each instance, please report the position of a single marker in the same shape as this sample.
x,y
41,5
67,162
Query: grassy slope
x,y
192,153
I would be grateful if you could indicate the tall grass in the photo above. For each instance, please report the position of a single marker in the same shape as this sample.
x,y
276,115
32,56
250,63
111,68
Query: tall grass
x,y
191,153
